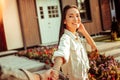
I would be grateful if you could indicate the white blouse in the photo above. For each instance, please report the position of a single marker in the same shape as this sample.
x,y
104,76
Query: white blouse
x,y
76,60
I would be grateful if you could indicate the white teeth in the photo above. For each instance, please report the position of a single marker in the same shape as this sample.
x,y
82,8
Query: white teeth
x,y
75,23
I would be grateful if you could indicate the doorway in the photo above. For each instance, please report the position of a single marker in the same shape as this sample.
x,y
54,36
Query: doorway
x,y
49,19
117,8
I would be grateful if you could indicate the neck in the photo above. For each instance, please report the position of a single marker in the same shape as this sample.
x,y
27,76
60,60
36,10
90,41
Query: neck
x,y
73,31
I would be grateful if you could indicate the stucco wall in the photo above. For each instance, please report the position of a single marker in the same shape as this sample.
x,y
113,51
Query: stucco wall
x,y
106,15
66,2
12,25
94,26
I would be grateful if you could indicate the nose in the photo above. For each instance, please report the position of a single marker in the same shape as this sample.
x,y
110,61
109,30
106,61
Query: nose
x,y
75,18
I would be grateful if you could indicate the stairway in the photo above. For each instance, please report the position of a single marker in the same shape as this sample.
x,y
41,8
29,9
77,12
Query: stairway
x,y
111,48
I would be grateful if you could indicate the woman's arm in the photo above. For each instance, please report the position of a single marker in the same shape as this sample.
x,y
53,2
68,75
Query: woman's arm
x,y
61,56
52,74
57,63
88,37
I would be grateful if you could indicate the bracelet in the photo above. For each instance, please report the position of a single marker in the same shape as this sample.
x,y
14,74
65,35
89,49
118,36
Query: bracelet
x,y
26,73
40,77
61,74
56,70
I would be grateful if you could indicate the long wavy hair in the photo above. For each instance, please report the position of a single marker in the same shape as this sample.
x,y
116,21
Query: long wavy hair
x,y
64,12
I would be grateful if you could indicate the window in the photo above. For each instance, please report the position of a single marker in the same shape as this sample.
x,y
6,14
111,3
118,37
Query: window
x,y
41,12
112,5
84,7
53,11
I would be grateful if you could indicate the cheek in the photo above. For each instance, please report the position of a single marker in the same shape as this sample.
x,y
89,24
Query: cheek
x,y
67,22
79,20
64,21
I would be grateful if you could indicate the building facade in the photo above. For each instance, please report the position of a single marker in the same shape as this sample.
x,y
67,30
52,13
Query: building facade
x,y
28,23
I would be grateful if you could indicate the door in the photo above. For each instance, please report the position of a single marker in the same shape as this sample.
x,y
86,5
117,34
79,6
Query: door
x,y
112,8
49,17
117,9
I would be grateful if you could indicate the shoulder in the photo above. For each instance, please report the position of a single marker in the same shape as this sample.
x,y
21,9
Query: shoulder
x,y
65,38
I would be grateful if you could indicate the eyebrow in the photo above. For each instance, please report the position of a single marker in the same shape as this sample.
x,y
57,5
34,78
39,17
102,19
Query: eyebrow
x,y
73,14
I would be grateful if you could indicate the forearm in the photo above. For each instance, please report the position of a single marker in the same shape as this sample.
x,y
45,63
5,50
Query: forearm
x,y
57,63
37,76
89,39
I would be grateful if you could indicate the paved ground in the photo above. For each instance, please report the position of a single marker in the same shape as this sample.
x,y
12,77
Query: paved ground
x,y
21,62
110,48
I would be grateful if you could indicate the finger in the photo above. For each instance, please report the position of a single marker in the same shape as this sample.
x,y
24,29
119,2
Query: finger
x,y
55,75
53,78
50,79
55,72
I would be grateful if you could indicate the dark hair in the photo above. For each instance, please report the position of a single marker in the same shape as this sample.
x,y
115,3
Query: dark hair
x,y
64,12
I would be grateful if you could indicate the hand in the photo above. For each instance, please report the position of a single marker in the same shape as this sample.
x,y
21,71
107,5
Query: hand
x,y
55,74
48,75
81,28
93,55
94,48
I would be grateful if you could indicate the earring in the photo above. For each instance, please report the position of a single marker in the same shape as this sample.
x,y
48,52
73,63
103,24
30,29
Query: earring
x,y
64,22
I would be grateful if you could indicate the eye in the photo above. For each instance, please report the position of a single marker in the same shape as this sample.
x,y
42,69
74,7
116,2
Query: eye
x,y
70,16
77,15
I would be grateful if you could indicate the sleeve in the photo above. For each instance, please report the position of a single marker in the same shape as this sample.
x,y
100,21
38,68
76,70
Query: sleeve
x,y
63,48
8,73
28,74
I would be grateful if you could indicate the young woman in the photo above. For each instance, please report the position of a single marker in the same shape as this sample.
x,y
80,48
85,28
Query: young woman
x,y
71,55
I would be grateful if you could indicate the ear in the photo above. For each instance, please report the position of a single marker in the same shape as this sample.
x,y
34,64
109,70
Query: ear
x,y
64,21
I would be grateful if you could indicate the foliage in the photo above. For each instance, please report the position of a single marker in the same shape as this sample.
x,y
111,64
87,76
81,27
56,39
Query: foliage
x,y
104,68
43,54
101,68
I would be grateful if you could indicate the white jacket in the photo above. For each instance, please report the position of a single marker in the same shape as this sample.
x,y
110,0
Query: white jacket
x,y
72,50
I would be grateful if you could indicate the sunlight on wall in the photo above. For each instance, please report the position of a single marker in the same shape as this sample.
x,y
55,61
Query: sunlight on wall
x,y
1,6
11,24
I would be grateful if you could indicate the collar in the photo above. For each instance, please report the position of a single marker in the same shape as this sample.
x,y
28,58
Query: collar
x,y
71,34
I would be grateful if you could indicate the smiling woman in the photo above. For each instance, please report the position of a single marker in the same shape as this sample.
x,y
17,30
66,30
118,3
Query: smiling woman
x,y
71,56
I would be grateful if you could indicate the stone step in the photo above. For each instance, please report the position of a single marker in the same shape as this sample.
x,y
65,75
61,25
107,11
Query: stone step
x,y
106,32
106,46
11,52
113,52
117,59
21,62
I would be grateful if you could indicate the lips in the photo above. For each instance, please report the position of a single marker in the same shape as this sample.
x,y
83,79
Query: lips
x,y
75,23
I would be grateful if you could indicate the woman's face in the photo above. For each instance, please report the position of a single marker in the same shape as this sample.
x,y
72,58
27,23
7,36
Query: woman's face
x,y
72,19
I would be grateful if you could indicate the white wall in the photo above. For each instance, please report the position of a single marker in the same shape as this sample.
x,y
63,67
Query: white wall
x,y
12,25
